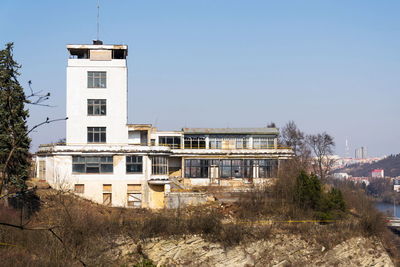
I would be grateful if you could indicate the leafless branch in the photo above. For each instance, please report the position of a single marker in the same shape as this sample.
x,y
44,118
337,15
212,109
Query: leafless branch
x,y
37,98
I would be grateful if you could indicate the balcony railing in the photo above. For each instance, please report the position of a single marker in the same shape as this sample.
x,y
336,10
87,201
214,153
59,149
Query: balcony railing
x,y
178,146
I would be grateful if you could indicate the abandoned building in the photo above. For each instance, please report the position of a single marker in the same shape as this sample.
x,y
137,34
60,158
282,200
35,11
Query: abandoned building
x,y
108,161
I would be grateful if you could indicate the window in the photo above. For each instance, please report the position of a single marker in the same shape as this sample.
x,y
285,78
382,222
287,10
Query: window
x,y
134,195
195,142
171,141
107,199
230,168
79,188
107,194
263,143
42,169
97,79
266,167
241,143
96,134
196,168
97,107
159,165
215,143
134,164
88,164
107,188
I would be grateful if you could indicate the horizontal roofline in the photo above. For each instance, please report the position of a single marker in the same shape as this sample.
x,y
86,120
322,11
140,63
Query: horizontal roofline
x,y
264,130
92,46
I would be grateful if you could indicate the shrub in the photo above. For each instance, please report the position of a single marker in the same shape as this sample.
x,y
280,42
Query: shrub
x,y
308,192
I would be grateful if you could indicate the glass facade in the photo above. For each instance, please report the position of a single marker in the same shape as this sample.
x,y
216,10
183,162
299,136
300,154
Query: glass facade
x,y
230,168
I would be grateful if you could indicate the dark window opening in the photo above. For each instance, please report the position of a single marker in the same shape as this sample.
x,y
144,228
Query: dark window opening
x,y
119,54
79,53
171,141
134,164
96,134
89,164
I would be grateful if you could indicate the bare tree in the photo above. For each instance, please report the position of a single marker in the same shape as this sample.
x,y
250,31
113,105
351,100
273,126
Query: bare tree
x,y
291,136
321,146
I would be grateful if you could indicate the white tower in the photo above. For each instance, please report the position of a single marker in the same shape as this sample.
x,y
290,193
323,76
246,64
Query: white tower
x,y
97,94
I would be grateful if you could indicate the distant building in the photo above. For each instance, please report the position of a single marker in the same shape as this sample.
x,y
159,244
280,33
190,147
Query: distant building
x,y
361,153
341,175
377,173
396,184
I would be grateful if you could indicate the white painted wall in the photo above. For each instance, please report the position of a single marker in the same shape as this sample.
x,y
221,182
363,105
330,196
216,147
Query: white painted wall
x,y
115,93
59,175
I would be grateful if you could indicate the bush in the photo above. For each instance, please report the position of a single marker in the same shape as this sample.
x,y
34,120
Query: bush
x,y
308,192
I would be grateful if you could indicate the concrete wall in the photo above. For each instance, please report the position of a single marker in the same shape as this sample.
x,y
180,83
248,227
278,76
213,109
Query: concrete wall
x,y
181,199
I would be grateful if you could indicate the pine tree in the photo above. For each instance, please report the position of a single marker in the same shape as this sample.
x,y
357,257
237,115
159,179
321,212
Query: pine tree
x,y
14,140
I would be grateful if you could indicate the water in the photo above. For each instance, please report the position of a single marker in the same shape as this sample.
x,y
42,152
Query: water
x,y
388,208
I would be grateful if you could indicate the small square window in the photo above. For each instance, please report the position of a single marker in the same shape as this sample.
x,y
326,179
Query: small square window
x,y
79,188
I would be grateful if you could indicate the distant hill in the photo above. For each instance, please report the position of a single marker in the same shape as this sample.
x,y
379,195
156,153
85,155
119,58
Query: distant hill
x,y
391,166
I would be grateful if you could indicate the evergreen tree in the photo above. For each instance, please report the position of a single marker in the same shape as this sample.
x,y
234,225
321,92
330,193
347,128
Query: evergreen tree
x,y
308,191
14,140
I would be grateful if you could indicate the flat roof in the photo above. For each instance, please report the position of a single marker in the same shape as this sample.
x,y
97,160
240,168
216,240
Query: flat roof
x,y
264,130
92,46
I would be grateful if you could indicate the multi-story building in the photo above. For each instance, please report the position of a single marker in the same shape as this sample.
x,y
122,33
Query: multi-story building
x,y
378,173
361,153
109,161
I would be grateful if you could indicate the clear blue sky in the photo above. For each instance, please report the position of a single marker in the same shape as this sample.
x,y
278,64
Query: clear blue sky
x,y
328,65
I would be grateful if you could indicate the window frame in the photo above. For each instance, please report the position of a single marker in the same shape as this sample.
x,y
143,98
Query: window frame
x,y
79,188
96,79
132,161
104,164
100,107
159,165
99,132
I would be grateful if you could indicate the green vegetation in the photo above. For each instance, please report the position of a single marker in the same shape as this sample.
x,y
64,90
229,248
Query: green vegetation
x,y
309,194
14,141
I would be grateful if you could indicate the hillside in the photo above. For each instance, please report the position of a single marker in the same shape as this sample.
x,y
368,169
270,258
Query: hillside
x,y
256,230
391,166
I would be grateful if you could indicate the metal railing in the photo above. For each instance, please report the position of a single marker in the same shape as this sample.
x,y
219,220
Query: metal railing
x,y
178,146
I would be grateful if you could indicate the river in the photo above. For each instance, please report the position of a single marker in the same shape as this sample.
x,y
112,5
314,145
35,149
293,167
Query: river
x,y
388,208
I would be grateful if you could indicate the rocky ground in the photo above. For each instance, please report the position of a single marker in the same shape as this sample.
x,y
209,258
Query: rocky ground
x,y
278,250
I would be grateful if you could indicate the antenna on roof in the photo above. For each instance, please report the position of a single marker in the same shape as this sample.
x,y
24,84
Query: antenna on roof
x,y
98,18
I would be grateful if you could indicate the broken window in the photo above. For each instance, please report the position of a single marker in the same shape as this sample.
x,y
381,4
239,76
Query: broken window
x,y
195,142
134,195
107,199
79,188
97,107
96,134
159,165
88,164
97,79
171,141
134,164
79,53
119,54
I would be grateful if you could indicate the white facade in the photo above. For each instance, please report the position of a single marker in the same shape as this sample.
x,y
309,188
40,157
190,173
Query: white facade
x,y
114,92
109,161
